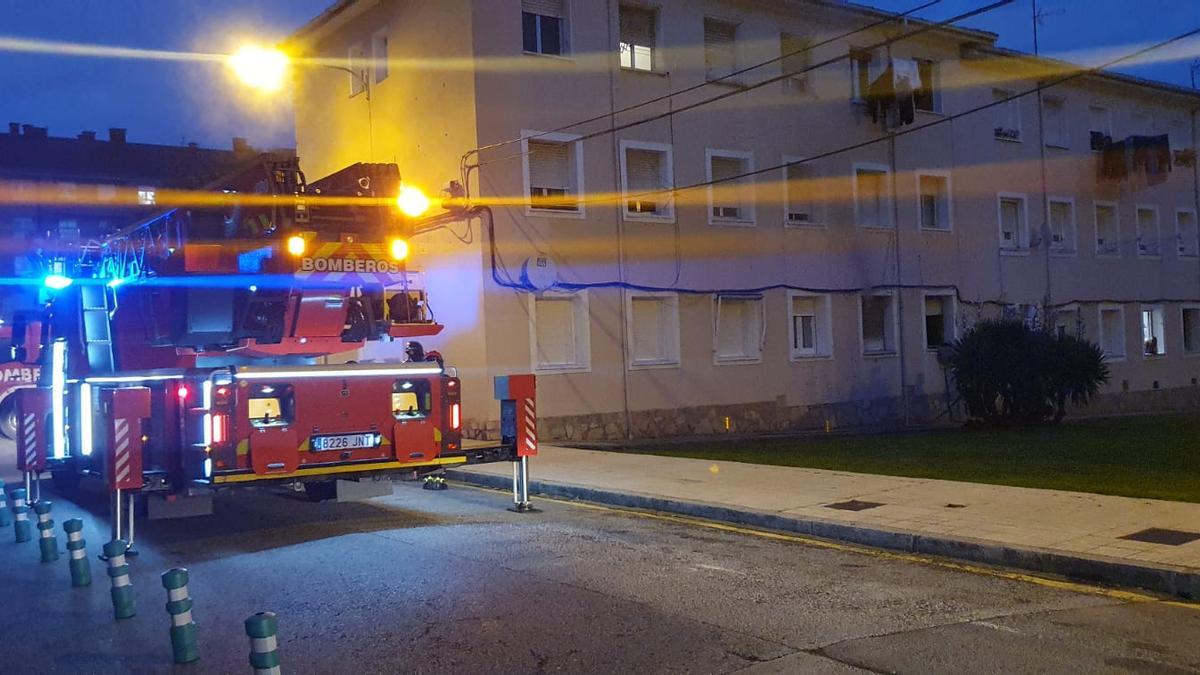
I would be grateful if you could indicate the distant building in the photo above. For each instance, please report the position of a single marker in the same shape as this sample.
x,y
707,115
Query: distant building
x,y
72,178
940,187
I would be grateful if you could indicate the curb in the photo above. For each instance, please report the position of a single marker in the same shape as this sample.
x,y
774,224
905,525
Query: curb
x,y
1176,581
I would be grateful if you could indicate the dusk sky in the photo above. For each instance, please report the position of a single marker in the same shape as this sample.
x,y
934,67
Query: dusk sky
x,y
177,102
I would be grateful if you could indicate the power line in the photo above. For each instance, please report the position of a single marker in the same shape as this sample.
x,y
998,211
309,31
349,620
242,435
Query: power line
x,y
509,283
778,78
598,118
945,119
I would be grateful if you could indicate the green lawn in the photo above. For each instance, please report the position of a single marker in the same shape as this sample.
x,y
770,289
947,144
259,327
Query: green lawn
x,y
1156,456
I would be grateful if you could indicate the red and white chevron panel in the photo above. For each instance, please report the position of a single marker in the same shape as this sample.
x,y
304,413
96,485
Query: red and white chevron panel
x,y
527,439
32,406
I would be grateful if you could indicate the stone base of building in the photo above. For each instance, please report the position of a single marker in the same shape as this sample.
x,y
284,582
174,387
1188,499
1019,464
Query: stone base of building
x,y
776,417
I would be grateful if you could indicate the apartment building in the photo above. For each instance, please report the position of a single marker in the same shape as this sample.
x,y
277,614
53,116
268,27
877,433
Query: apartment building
x,y
678,243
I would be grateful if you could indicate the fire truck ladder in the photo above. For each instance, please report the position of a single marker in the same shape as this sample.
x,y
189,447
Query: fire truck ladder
x,y
97,328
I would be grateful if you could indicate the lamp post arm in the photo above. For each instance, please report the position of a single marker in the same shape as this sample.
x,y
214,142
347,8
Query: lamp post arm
x,y
359,77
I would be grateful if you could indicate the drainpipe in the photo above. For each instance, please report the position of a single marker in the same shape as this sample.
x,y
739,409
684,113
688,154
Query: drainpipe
x,y
904,402
620,222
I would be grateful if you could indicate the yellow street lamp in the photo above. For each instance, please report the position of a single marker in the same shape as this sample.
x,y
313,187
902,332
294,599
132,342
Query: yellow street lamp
x,y
412,202
263,68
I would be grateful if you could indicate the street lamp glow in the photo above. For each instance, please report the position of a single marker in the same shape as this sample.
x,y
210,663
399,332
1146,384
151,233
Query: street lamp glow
x,y
412,202
262,68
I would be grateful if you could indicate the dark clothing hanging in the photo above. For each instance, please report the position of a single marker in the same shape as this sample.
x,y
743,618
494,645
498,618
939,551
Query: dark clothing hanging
x,y
1149,154
889,98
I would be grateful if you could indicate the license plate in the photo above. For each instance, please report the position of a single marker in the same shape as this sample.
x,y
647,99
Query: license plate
x,y
345,442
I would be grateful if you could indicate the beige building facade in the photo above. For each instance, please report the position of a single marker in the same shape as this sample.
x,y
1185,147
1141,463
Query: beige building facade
x,y
678,247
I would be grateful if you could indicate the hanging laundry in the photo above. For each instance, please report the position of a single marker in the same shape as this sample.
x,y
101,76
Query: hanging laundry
x,y
890,96
1113,165
1152,154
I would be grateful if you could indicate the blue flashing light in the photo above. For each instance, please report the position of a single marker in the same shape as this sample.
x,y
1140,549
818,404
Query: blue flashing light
x,y
57,282
115,281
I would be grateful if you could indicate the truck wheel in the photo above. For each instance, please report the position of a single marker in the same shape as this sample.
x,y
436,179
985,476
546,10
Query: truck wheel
x,y
321,491
8,418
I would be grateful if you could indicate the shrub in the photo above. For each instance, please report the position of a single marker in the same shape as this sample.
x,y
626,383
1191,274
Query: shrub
x,y
1008,373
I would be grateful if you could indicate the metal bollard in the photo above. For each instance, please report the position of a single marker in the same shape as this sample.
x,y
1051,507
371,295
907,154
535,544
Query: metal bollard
x,y
47,542
184,646
5,516
264,646
81,569
22,528
118,573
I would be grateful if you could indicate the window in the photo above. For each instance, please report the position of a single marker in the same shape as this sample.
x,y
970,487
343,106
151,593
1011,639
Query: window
x,y
1112,330
1178,135
1067,321
1054,116
802,197
1148,240
1153,343
871,196
878,322
411,399
271,405
720,54
796,58
1062,224
811,329
553,165
637,37
1006,116
940,320
1108,236
68,230
379,56
860,74
542,26
928,96
1099,126
730,197
653,329
739,328
561,333
1014,225
1186,236
146,196
1191,329
933,195
356,61
646,179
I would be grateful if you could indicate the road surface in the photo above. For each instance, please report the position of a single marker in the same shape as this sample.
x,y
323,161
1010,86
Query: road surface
x,y
452,582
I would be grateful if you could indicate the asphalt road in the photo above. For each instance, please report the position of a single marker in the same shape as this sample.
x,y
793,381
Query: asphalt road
x,y
452,582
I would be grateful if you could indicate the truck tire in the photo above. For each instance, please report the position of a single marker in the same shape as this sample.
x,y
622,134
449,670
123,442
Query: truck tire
x,y
8,418
321,490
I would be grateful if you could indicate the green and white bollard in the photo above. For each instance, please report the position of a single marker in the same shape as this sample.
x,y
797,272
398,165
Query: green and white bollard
x,y
45,525
183,630
22,528
264,646
118,573
81,569
5,516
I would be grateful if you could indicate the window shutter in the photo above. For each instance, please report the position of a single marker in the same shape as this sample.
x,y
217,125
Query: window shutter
x,y
643,168
794,50
549,165
719,40
555,319
552,8
933,306
637,26
649,333
724,168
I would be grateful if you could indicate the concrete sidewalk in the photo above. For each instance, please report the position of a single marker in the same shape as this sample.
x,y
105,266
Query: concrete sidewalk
x,y
1069,533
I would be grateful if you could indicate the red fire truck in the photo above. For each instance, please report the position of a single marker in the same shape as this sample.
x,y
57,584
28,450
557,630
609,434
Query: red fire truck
x,y
198,349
